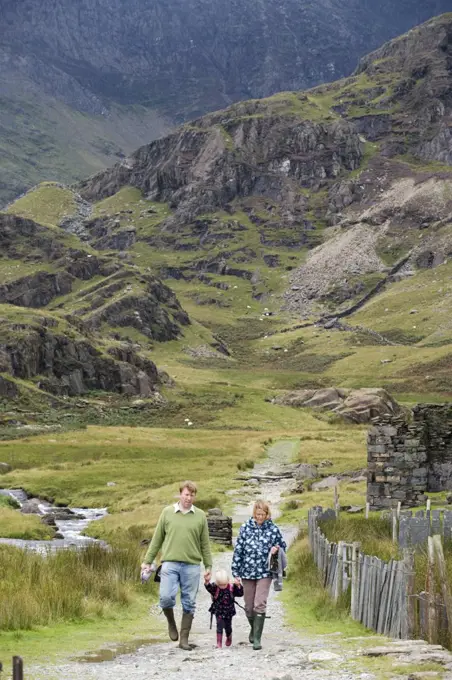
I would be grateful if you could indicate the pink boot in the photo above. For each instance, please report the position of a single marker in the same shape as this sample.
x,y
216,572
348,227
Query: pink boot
x,y
229,640
220,640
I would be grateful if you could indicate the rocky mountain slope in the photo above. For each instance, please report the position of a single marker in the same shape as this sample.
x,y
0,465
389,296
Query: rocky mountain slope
x,y
368,157
307,235
56,300
82,84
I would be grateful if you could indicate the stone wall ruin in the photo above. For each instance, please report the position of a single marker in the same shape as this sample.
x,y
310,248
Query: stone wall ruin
x,y
409,456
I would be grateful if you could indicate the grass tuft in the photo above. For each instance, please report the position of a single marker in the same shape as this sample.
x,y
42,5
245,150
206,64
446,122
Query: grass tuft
x,y
69,585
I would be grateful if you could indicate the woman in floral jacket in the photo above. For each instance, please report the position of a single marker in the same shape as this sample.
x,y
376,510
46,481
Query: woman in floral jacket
x,y
258,538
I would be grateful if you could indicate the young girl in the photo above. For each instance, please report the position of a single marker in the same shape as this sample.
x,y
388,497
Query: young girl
x,y
223,607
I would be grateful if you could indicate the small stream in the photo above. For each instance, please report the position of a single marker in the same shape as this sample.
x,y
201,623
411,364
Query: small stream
x,y
70,526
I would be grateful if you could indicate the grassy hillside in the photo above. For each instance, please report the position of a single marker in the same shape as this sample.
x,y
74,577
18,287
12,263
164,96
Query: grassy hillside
x,y
44,139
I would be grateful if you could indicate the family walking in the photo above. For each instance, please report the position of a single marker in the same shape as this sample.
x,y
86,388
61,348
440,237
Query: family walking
x,y
182,537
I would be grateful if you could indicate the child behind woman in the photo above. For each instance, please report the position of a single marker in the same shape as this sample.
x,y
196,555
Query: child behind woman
x,y
223,607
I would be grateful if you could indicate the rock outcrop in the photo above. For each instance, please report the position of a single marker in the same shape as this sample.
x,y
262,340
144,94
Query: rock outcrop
x,y
73,366
357,406
233,154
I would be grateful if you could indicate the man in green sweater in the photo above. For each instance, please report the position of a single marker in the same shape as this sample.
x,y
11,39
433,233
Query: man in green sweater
x,y
182,535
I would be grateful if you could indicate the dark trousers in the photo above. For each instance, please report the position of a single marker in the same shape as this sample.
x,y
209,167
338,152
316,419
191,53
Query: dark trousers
x,y
225,625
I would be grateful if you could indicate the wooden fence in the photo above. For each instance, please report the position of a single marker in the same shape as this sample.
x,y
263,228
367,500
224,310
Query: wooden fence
x,y
380,591
383,596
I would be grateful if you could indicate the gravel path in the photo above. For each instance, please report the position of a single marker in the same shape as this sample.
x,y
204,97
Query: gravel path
x,y
287,655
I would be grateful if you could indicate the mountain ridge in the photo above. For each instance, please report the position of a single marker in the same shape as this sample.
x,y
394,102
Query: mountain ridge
x,y
114,76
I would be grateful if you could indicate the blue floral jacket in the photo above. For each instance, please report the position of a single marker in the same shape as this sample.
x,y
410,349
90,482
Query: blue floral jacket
x,y
250,560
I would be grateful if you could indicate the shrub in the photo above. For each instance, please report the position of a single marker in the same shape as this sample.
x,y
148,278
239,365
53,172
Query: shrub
x,y
246,464
8,502
292,504
208,503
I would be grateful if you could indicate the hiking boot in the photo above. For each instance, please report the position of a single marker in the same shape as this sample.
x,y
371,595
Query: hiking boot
x,y
228,640
251,622
220,640
259,621
185,628
172,628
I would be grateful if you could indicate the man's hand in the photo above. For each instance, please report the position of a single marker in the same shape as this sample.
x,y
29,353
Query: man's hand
x,y
207,575
149,567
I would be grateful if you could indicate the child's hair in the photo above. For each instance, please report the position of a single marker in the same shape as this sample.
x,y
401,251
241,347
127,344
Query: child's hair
x,y
221,577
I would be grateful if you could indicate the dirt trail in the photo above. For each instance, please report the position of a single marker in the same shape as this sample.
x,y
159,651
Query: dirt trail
x,y
287,655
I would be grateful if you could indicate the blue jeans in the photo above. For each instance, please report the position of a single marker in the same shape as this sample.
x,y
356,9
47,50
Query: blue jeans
x,y
175,575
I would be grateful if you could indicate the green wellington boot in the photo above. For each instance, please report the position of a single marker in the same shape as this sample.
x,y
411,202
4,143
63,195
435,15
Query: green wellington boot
x,y
185,628
172,628
251,622
259,621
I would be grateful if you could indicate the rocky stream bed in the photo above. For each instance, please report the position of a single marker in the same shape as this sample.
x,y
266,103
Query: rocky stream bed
x,y
70,523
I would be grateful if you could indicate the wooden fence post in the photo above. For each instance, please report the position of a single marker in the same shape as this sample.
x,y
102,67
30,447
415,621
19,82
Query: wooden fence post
x,y
439,554
367,510
18,668
432,628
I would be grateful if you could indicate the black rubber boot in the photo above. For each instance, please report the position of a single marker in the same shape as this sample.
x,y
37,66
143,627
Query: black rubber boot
x,y
185,628
172,628
259,621
251,622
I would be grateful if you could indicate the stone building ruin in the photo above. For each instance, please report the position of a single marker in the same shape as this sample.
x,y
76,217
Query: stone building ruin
x,y
409,456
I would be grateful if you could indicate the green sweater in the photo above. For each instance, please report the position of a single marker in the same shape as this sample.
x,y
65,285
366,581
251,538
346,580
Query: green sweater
x,y
181,538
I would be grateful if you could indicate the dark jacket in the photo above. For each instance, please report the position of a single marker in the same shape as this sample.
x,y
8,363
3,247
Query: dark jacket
x,y
223,599
253,545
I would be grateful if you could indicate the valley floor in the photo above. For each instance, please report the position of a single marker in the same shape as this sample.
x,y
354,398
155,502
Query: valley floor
x,y
289,652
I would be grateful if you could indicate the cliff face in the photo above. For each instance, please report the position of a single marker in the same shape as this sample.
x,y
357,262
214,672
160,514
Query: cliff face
x,y
346,165
186,57
175,59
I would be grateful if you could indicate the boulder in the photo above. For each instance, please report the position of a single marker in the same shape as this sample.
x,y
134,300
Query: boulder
x,y
62,514
4,468
306,471
355,509
31,507
357,406
361,406
327,483
297,487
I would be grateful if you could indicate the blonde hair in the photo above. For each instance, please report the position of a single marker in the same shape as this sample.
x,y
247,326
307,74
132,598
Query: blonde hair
x,y
221,577
191,486
264,506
